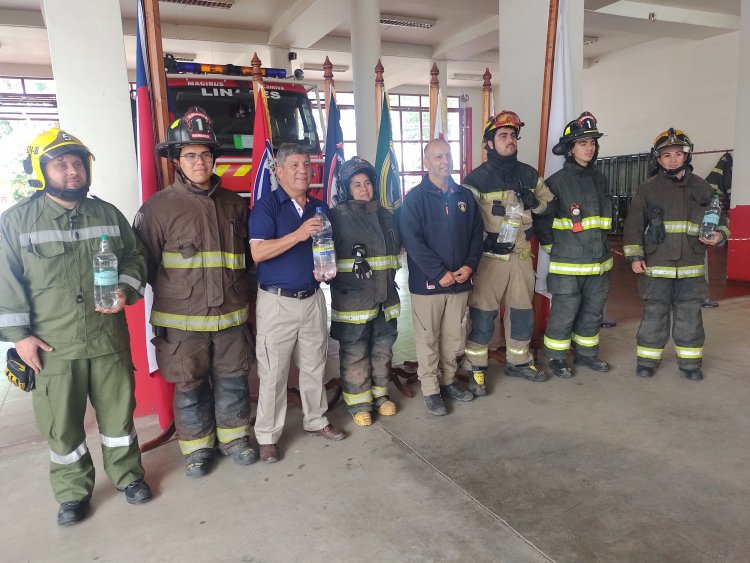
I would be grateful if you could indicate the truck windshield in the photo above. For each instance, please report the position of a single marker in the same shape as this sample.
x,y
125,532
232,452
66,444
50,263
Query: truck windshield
x,y
233,112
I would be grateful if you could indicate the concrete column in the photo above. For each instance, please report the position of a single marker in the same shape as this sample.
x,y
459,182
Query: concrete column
x,y
88,65
523,39
738,267
365,36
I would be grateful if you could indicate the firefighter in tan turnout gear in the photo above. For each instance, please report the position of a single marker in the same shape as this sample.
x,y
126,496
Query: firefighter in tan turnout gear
x,y
364,298
198,258
505,277
662,241
79,352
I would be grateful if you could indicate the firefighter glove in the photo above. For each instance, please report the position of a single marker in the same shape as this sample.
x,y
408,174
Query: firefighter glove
x,y
527,197
362,269
18,372
655,231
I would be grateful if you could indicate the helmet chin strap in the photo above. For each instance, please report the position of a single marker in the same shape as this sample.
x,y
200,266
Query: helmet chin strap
x,y
74,194
675,172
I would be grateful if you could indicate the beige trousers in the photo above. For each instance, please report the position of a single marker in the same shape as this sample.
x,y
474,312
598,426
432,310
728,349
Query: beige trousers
x,y
290,328
438,336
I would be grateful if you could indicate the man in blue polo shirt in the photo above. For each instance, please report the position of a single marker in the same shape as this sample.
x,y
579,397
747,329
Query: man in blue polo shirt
x,y
291,317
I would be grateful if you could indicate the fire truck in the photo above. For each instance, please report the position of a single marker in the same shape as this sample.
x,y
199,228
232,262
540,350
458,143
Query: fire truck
x,y
226,93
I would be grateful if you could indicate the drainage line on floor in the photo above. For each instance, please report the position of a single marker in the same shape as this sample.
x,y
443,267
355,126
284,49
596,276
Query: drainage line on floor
x,y
468,494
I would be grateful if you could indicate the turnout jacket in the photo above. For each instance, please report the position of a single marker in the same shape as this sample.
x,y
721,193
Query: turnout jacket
x,y
492,184
441,233
198,256
575,230
359,301
47,277
681,254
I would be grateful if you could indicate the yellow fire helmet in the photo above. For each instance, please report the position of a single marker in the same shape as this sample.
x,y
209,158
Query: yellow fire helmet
x,y
51,144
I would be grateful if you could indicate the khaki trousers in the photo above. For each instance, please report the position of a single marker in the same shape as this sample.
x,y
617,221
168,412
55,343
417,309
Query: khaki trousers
x,y
290,328
438,337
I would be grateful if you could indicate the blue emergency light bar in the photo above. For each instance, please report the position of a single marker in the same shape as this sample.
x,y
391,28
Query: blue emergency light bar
x,y
232,70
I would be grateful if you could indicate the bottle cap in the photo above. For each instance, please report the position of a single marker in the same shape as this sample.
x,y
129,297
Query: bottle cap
x,y
104,237
318,209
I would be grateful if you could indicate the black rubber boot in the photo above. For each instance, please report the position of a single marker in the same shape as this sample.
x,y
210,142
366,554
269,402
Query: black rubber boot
x,y
644,371
435,405
138,492
453,391
527,371
560,369
72,511
692,373
241,453
198,463
592,362
476,383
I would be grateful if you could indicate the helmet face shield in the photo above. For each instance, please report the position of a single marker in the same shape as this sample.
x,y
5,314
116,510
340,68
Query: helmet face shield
x,y
505,118
49,145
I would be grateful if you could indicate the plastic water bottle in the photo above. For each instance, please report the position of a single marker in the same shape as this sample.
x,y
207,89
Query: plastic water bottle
x,y
512,221
711,217
324,255
105,275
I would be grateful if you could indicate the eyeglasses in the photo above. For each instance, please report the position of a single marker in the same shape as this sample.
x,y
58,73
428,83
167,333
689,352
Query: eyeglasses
x,y
192,157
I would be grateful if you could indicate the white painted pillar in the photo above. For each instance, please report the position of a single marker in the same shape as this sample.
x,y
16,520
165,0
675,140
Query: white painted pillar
x,y
365,39
741,170
523,40
88,65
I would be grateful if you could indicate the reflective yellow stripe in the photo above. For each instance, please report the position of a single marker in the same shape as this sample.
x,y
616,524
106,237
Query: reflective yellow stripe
x,y
199,322
118,441
227,435
214,259
490,196
681,227
718,171
688,353
580,269
378,392
221,168
552,344
593,222
650,353
70,458
672,272
354,317
523,254
392,312
189,446
376,263
547,247
586,341
358,398
476,351
518,351
633,250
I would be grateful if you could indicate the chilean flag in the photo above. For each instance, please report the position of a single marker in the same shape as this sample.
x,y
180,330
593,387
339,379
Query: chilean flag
x,y
152,393
263,178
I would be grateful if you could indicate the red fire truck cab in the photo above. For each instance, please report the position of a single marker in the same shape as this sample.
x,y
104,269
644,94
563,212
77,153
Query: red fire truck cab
x,y
226,93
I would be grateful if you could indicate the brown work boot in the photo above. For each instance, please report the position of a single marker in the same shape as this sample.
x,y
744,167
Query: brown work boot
x,y
269,453
329,432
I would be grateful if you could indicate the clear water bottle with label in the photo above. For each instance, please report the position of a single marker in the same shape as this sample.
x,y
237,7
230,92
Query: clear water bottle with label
x,y
512,221
105,275
711,217
324,255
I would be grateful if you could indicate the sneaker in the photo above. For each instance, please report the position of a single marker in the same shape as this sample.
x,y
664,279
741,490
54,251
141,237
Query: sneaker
x,y
241,453
363,418
453,391
476,383
527,371
560,369
435,405
387,408
138,492
592,362
72,511
644,371
198,463
693,373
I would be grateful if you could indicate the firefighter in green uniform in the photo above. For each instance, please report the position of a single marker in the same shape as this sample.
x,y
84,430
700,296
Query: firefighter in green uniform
x,y
364,298
580,259
662,241
78,351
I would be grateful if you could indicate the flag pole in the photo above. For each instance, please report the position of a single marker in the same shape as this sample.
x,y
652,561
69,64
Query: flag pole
x,y
434,87
379,88
158,81
549,65
486,101
328,79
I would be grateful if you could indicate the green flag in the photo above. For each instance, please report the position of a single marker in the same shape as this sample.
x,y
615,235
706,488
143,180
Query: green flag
x,y
389,182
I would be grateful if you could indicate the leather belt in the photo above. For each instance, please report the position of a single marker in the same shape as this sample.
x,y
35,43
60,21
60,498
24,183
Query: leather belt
x,y
286,293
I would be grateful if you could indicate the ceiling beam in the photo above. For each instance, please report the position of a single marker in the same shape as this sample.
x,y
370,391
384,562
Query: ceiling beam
x,y
21,18
639,11
306,23
203,33
469,41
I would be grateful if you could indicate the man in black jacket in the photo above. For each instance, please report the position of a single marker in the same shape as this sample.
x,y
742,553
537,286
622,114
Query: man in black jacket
x,y
441,230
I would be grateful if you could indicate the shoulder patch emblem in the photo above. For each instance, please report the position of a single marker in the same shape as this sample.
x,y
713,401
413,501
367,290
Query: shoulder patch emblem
x,y
462,206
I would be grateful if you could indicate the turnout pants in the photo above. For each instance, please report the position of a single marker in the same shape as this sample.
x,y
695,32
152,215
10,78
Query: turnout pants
x,y
677,301
508,285
59,400
576,311
438,337
290,328
365,353
210,373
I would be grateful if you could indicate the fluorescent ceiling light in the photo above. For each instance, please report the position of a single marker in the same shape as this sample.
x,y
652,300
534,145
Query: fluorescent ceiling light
x,y
590,40
223,4
319,67
469,77
403,21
